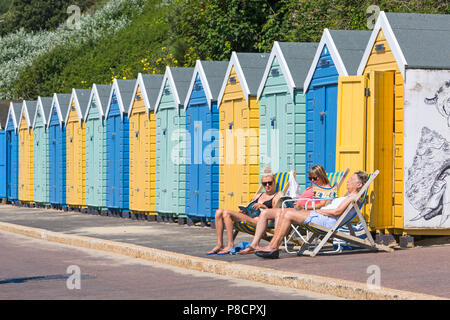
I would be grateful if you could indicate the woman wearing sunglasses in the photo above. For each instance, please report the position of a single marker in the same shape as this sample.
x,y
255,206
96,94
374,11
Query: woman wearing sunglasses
x,y
317,175
226,218
326,217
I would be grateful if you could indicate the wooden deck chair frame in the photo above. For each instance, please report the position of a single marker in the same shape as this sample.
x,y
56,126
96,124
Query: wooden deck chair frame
x,y
327,234
269,231
290,239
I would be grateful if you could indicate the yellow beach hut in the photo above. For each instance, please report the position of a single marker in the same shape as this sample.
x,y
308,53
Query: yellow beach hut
x,y
390,118
26,195
239,129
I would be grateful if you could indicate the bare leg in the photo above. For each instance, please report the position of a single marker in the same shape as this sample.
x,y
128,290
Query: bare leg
x,y
263,218
229,217
289,217
219,231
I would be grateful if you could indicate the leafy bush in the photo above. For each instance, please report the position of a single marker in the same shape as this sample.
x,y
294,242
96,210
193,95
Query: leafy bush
x,y
19,49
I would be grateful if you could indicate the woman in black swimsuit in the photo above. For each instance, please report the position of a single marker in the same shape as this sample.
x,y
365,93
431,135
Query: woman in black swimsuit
x,y
226,218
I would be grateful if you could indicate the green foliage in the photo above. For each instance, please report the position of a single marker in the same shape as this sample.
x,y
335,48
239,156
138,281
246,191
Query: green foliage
x,y
177,32
35,15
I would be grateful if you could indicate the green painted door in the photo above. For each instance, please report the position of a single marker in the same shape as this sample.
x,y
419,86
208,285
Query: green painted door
x,y
40,154
95,160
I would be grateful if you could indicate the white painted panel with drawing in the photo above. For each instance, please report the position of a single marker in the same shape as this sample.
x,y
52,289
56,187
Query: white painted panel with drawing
x,y
427,149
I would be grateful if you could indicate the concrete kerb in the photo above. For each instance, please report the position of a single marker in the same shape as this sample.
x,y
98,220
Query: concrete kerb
x,y
329,286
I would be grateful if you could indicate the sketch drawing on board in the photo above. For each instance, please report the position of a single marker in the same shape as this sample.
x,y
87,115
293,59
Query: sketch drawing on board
x,y
428,181
442,101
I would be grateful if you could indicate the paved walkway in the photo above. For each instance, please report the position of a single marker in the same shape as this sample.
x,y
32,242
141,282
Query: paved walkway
x,y
424,269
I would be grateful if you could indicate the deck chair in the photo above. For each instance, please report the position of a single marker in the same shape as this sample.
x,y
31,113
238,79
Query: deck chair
x,y
282,186
352,211
295,237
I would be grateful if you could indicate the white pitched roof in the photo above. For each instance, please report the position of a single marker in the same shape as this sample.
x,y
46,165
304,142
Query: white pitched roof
x,y
383,24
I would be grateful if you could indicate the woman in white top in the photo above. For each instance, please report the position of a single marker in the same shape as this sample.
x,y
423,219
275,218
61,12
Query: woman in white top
x,y
326,216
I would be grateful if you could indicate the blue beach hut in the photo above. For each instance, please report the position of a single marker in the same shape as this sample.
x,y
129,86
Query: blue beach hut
x,y
117,146
12,152
338,54
202,125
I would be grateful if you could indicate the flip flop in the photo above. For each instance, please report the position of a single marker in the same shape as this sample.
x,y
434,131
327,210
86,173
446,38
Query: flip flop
x,y
223,253
213,252
250,251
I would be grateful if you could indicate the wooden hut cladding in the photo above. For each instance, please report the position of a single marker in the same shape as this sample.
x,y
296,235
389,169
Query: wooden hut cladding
x,y
171,143
76,149
95,125
338,54
26,165
143,143
12,151
372,112
57,149
202,126
239,127
117,145
282,108
41,150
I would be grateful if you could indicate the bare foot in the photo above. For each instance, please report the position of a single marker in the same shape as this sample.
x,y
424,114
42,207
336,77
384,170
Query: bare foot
x,y
216,249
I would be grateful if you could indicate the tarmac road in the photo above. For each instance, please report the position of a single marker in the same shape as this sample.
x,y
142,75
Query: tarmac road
x,y
37,269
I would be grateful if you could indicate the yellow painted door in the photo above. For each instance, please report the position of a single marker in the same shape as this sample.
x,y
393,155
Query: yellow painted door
x,y
69,163
152,158
380,147
134,156
241,171
351,132
228,156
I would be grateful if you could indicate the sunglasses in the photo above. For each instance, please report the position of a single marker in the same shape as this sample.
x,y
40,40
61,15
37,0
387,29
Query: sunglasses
x,y
313,178
268,183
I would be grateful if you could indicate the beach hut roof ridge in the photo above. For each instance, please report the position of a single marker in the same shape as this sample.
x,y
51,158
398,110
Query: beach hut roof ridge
x,y
44,104
29,107
416,40
249,68
211,75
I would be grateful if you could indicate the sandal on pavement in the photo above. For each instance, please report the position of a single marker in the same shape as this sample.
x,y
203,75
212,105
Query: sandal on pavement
x,y
214,251
248,250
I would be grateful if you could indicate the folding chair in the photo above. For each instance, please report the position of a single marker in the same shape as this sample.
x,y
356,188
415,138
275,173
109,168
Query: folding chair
x,y
281,186
295,237
353,210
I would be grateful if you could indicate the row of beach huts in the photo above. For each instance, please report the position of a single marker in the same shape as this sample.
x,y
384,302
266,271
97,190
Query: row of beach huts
x,y
180,145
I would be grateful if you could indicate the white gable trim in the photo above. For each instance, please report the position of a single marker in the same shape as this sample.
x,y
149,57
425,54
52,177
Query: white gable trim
x,y
27,115
74,98
55,101
40,107
278,53
327,40
11,113
383,24
115,88
168,77
139,84
234,62
94,93
201,72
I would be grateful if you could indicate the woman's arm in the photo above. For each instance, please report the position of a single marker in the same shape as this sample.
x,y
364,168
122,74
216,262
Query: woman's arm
x,y
339,210
316,205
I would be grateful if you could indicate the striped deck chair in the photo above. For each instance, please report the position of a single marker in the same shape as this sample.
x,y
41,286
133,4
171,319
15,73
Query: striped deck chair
x,y
352,211
282,185
294,236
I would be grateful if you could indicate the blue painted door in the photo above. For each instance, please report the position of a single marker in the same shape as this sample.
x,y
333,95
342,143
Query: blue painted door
x,y
113,161
324,146
117,145
12,156
2,164
57,161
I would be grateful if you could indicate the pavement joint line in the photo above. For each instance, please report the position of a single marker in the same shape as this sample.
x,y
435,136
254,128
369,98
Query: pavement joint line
x,y
330,286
